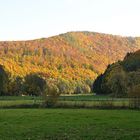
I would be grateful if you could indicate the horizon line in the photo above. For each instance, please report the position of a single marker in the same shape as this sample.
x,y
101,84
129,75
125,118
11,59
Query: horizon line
x,y
32,39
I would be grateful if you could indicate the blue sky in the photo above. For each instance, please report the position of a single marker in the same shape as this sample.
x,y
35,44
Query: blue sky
x,y
30,19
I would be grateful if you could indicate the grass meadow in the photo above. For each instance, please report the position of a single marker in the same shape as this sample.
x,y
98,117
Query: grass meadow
x,y
69,124
73,101
72,118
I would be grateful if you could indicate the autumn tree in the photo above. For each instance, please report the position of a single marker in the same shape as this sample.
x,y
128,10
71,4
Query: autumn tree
x,y
65,87
82,88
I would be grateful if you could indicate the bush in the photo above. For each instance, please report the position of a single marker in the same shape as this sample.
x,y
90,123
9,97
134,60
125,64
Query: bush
x,y
134,94
51,93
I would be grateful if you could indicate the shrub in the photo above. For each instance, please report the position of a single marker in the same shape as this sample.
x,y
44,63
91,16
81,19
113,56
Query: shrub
x,y
51,93
134,94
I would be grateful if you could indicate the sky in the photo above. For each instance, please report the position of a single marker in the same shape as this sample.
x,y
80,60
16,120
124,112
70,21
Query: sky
x,y
31,19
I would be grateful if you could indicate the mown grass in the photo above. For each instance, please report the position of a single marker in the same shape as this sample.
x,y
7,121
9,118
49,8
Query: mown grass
x,y
69,124
84,97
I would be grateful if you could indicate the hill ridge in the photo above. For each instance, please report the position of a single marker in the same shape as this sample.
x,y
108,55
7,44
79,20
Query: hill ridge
x,y
72,56
109,34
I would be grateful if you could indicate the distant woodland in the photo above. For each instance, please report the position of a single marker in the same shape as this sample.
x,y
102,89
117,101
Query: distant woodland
x,y
70,62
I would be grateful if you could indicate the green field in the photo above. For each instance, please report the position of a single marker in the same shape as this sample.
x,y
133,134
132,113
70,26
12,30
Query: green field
x,y
79,97
73,101
69,124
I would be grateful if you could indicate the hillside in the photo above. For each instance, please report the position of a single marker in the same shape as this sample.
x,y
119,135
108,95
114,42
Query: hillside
x,y
121,78
72,56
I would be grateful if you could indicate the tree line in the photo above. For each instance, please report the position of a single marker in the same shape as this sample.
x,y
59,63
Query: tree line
x,y
34,84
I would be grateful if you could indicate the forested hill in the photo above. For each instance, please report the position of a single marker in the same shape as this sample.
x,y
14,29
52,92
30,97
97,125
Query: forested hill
x,y
121,78
71,56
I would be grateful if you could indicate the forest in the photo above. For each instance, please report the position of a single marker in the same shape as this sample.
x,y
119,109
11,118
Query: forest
x,y
70,61
121,79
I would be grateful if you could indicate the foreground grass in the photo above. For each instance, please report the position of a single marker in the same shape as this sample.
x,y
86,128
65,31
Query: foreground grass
x,y
68,124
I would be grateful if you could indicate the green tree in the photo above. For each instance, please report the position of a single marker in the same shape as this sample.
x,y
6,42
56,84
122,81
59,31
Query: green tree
x,y
134,91
117,85
4,80
97,84
34,84
15,86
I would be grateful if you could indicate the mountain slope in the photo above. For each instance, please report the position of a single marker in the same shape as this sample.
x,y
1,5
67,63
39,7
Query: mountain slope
x,y
72,56
121,78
